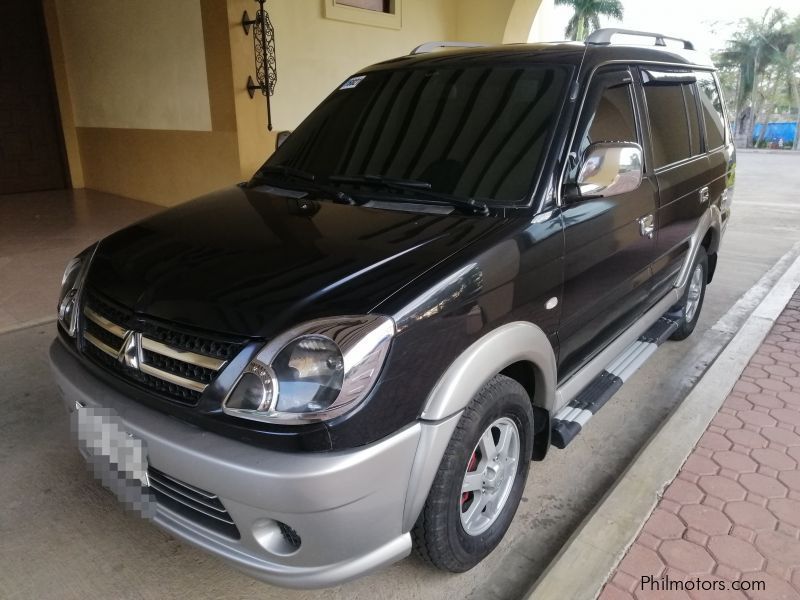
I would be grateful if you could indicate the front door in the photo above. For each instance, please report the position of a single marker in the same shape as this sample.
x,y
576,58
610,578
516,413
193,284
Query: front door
x,y
608,251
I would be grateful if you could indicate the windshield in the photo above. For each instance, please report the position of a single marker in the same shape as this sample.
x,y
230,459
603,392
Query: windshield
x,y
474,132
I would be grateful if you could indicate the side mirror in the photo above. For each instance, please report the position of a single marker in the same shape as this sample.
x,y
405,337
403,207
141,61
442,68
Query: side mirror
x,y
280,138
609,169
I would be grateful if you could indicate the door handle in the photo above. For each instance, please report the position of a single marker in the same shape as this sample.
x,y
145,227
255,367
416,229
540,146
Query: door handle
x,y
647,225
704,195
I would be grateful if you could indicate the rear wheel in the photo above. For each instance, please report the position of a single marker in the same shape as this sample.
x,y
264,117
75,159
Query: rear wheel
x,y
480,480
691,303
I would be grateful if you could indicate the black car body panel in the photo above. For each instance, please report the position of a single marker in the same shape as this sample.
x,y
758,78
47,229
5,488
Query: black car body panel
x,y
454,251
252,261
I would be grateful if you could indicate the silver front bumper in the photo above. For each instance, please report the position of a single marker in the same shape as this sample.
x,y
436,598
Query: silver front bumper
x,y
352,509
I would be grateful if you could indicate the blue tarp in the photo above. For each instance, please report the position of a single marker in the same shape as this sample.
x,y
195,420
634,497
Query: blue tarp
x,y
777,131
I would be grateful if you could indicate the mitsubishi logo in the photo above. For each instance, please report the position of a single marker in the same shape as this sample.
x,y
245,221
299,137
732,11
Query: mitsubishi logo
x,y
129,353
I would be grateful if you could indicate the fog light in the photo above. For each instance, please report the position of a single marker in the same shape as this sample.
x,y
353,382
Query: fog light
x,y
289,535
276,537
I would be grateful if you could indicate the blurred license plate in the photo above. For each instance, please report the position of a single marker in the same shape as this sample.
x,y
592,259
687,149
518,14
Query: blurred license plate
x,y
118,459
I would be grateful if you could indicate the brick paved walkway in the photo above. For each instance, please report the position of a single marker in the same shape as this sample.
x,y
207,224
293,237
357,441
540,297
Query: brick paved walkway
x,y
733,512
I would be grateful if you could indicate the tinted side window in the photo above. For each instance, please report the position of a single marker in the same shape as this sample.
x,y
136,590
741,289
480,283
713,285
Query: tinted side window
x,y
711,102
608,115
689,93
669,130
613,119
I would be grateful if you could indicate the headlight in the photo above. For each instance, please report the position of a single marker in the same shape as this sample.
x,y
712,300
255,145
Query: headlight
x,y
313,372
71,284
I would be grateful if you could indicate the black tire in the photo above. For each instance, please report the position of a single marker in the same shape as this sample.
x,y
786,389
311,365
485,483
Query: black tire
x,y
439,537
687,325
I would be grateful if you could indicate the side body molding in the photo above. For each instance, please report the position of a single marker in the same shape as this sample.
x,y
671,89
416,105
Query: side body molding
x,y
501,347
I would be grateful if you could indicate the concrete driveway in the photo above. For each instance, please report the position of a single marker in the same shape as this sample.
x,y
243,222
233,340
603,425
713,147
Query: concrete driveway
x,y
63,536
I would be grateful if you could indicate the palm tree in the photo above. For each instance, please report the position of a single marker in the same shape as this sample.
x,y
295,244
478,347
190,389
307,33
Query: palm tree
x,y
587,15
754,51
789,63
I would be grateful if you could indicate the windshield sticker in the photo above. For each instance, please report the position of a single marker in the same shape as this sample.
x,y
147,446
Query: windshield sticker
x,y
352,82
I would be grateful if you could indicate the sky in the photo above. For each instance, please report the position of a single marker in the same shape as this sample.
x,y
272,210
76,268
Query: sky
x,y
707,23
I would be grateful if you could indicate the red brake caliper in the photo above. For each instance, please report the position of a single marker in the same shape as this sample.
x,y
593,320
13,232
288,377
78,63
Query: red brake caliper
x,y
473,463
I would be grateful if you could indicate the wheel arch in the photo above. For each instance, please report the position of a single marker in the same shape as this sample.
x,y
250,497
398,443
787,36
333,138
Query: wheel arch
x,y
519,349
707,234
527,373
711,243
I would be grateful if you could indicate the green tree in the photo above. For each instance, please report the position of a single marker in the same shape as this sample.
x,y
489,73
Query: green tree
x,y
791,63
761,53
788,65
587,13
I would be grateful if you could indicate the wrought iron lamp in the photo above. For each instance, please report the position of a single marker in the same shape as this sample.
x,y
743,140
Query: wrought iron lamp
x,y
264,48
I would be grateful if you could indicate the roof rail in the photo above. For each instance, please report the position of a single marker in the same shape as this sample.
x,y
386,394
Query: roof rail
x,y
431,46
603,37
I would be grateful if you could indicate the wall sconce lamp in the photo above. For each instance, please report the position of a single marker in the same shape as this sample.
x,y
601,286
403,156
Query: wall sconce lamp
x,y
264,50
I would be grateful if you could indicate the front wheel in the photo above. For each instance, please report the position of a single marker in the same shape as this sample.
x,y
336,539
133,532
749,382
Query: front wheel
x,y
691,303
481,478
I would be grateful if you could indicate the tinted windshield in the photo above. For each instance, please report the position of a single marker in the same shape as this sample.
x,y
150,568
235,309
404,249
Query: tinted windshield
x,y
475,132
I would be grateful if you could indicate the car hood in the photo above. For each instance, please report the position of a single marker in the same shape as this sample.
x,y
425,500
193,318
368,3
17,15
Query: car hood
x,y
249,262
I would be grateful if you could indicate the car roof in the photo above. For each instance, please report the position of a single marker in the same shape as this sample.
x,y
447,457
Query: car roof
x,y
570,53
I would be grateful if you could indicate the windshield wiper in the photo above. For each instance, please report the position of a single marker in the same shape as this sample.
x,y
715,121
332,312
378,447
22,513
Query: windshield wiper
x,y
308,182
380,180
421,189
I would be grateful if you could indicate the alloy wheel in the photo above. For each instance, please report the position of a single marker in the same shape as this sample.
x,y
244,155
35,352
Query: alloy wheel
x,y
490,475
695,291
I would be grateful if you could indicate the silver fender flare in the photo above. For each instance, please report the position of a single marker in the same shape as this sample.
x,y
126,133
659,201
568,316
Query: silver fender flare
x,y
485,358
711,219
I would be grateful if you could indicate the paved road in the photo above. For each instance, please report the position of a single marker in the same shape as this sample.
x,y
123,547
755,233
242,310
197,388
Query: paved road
x,y
62,536
737,491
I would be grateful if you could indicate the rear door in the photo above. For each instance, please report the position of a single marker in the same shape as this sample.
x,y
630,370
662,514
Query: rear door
x,y
718,145
681,165
607,275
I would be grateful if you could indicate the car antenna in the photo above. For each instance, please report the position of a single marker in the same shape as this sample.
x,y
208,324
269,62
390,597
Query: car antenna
x,y
573,93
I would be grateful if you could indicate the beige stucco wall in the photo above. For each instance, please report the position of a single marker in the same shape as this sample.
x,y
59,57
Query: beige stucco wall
x,y
164,143
315,54
136,64
71,145
543,28
497,21
483,20
179,121
520,21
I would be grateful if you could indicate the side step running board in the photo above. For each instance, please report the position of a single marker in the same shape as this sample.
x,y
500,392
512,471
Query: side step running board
x,y
569,421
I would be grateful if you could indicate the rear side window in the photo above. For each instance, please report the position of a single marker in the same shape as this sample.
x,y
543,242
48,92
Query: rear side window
x,y
689,93
670,136
711,103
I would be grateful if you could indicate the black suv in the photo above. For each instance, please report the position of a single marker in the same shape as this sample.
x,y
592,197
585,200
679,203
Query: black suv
x,y
448,267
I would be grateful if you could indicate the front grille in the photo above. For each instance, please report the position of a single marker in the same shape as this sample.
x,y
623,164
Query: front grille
x,y
174,364
179,367
190,343
199,506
